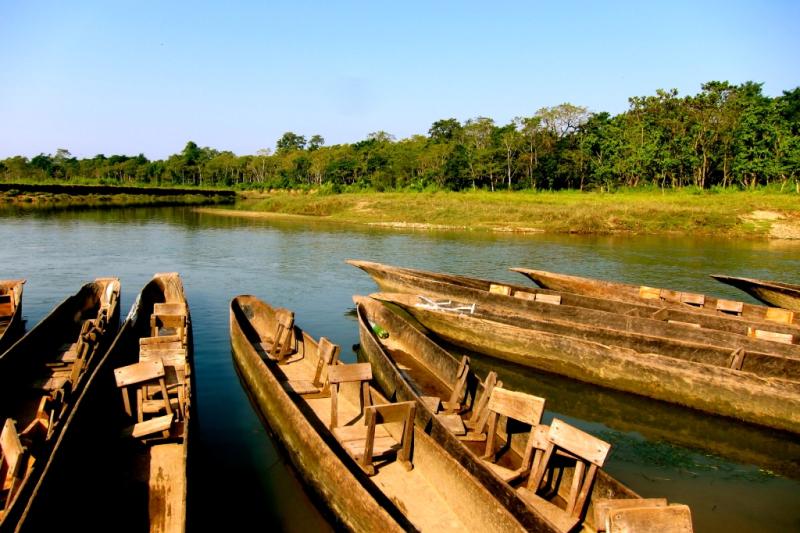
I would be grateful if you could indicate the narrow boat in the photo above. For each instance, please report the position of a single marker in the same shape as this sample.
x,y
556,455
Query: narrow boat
x,y
775,293
672,298
328,418
120,462
440,285
10,312
451,401
723,390
41,376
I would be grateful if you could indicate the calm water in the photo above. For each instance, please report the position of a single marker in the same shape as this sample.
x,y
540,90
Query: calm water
x,y
735,477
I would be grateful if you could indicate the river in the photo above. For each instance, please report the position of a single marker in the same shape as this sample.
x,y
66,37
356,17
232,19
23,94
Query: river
x,y
734,476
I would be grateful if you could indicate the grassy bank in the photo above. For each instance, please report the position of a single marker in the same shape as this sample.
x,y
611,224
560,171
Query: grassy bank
x,y
750,214
66,199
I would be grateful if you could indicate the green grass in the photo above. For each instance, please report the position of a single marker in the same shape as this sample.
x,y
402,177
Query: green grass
x,y
628,211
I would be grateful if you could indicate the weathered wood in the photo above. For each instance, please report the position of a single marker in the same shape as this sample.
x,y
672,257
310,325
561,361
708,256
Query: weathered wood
x,y
438,494
785,338
578,442
628,292
716,389
517,405
421,357
349,373
92,460
671,519
603,506
139,372
778,294
42,373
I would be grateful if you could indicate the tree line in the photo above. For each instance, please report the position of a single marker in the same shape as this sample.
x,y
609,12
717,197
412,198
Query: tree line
x,y
726,135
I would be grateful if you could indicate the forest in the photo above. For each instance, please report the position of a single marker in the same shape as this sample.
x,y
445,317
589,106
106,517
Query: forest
x,y
725,136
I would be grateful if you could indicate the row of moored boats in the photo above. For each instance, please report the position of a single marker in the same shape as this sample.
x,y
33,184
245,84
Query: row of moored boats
x,y
411,438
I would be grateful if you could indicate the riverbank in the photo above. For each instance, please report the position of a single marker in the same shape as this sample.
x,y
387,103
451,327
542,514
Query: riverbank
x,y
56,196
739,214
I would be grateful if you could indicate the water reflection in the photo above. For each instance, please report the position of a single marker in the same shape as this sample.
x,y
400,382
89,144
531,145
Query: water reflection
x,y
722,470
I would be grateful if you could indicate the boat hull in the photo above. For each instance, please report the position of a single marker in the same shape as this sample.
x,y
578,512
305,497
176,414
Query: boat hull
x,y
445,367
772,293
766,401
11,326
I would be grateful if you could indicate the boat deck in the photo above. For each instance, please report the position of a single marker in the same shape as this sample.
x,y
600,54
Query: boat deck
x,y
419,498
167,484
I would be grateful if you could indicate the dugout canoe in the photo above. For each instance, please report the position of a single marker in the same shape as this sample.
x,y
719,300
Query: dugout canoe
x,y
41,377
771,402
104,473
408,365
440,285
690,301
761,356
437,494
10,312
774,293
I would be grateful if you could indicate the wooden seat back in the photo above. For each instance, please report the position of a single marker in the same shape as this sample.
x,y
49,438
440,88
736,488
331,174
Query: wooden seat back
x,y
13,462
479,412
352,373
586,449
402,412
142,374
283,339
328,356
453,403
525,408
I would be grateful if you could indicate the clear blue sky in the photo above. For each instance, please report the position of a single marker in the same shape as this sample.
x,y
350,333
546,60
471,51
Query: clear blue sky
x,y
129,77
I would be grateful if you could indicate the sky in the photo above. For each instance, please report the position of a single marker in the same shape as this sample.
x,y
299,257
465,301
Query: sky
x,y
146,77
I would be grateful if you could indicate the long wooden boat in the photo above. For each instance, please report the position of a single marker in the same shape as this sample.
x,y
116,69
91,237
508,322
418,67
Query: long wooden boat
x,y
410,366
436,494
775,293
635,293
441,285
767,401
118,470
41,376
760,356
10,312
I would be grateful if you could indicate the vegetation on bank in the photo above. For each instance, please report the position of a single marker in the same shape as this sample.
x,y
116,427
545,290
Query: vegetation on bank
x,y
751,214
17,199
730,136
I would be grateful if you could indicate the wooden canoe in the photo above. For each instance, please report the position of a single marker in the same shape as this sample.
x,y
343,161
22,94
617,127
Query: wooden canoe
x,y
42,375
634,293
410,366
10,312
774,293
437,494
102,475
440,285
771,402
679,340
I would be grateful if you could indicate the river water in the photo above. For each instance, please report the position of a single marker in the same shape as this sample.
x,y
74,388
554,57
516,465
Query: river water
x,y
734,476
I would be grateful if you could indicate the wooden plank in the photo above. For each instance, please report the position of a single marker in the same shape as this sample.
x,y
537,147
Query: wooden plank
x,y
300,387
693,298
737,359
578,442
603,506
351,372
138,372
164,339
669,295
176,308
730,306
6,309
495,288
777,314
453,423
517,405
685,324
10,444
554,514
650,293
784,338
432,402
522,295
671,519
148,427
391,412
554,299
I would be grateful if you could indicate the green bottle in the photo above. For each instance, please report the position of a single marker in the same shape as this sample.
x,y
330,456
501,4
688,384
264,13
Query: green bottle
x,y
379,331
